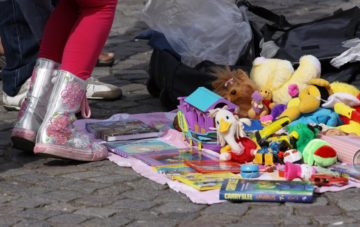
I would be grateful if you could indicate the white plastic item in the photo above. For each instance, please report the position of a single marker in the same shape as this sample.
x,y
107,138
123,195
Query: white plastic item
x,y
201,30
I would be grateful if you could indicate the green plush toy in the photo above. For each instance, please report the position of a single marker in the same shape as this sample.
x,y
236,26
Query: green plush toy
x,y
303,135
319,152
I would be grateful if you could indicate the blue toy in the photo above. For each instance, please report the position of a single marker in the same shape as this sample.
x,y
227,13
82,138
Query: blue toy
x,y
249,171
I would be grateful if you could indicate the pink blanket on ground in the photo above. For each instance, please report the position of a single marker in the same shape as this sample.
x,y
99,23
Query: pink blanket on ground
x,y
174,138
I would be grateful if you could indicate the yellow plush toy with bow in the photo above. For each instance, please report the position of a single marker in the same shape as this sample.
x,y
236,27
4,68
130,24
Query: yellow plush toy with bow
x,y
277,75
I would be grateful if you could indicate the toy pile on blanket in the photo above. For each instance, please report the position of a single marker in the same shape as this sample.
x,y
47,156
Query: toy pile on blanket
x,y
306,125
300,133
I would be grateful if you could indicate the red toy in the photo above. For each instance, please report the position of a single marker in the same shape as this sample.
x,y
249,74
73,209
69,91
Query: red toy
x,y
328,180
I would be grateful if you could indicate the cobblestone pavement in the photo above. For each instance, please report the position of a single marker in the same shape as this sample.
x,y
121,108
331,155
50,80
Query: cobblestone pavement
x,y
38,191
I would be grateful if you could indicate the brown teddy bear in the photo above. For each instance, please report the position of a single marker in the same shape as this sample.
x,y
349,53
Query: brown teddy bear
x,y
235,86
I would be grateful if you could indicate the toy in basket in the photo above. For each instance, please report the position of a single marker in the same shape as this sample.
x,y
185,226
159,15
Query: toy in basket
x,y
194,120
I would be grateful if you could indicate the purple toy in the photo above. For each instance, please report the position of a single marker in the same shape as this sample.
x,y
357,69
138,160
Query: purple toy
x,y
194,120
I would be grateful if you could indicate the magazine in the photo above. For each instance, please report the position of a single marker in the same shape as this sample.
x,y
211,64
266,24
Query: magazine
x,y
347,170
266,191
213,166
202,182
130,148
174,170
172,157
122,130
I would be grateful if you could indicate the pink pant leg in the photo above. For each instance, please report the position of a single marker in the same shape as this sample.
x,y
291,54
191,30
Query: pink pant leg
x,y
57,30
88,36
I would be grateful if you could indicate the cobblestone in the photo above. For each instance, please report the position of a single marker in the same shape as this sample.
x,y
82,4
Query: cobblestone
x,y
129,204
68,219
38,191
111,221
178,207
235,209
334,220
96,212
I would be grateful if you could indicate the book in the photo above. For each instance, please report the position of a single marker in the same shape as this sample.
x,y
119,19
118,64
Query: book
x,y
203,182
213,166
172,157
133,147
347,170
174,170
122,130
267,191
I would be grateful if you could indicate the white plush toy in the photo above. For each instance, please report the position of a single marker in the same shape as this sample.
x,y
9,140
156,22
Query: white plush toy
x,y
229,129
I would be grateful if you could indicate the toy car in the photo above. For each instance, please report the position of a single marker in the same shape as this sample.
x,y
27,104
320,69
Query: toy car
x,y
328,180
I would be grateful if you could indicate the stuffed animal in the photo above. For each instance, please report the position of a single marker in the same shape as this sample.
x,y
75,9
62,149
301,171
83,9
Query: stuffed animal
x,y
319,152
277,75
235,86
312,97
266,93
353,125
235,145
258,108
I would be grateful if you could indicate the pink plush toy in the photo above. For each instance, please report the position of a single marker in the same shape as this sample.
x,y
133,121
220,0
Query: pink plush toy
x,y
302,171
293,90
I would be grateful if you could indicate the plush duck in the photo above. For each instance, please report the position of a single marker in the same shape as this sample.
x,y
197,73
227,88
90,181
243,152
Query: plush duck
x,y
235,145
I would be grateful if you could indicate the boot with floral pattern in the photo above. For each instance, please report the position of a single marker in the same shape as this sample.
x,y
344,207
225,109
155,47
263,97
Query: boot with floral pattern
x,y
33,108
57,135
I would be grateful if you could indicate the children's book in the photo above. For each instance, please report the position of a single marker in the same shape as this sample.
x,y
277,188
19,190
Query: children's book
x,y
174,170
172,157
122,130
133,147
347,170
266,191
203,182
214,166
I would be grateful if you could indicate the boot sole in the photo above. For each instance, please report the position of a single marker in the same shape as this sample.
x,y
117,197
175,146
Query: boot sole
x,y
57,151
23,144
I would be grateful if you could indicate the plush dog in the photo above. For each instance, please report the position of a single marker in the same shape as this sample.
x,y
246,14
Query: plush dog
x,y
235,86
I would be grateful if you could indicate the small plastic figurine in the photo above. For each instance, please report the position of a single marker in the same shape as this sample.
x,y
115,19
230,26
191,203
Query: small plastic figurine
x,y
230,132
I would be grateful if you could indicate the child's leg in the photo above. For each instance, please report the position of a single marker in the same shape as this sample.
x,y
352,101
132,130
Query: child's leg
x,y
57,30
88,36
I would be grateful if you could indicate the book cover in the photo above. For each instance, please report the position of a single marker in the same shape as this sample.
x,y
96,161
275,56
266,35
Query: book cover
x,y
133,147
347,170
203,182
122,130
172,157
174,170
214,166
266,191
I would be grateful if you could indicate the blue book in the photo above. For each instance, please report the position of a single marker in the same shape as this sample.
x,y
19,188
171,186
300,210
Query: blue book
x,y
134,147
266,191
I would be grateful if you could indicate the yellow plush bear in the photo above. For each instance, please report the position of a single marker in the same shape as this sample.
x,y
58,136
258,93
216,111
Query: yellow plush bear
x,y
277,75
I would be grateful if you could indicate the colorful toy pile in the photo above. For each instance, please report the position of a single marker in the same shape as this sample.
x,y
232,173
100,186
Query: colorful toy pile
x,y
307,123
301,134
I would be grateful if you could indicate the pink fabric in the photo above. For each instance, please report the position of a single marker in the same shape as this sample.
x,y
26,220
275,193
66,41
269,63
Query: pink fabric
x,y
85,108
76,33
346,147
